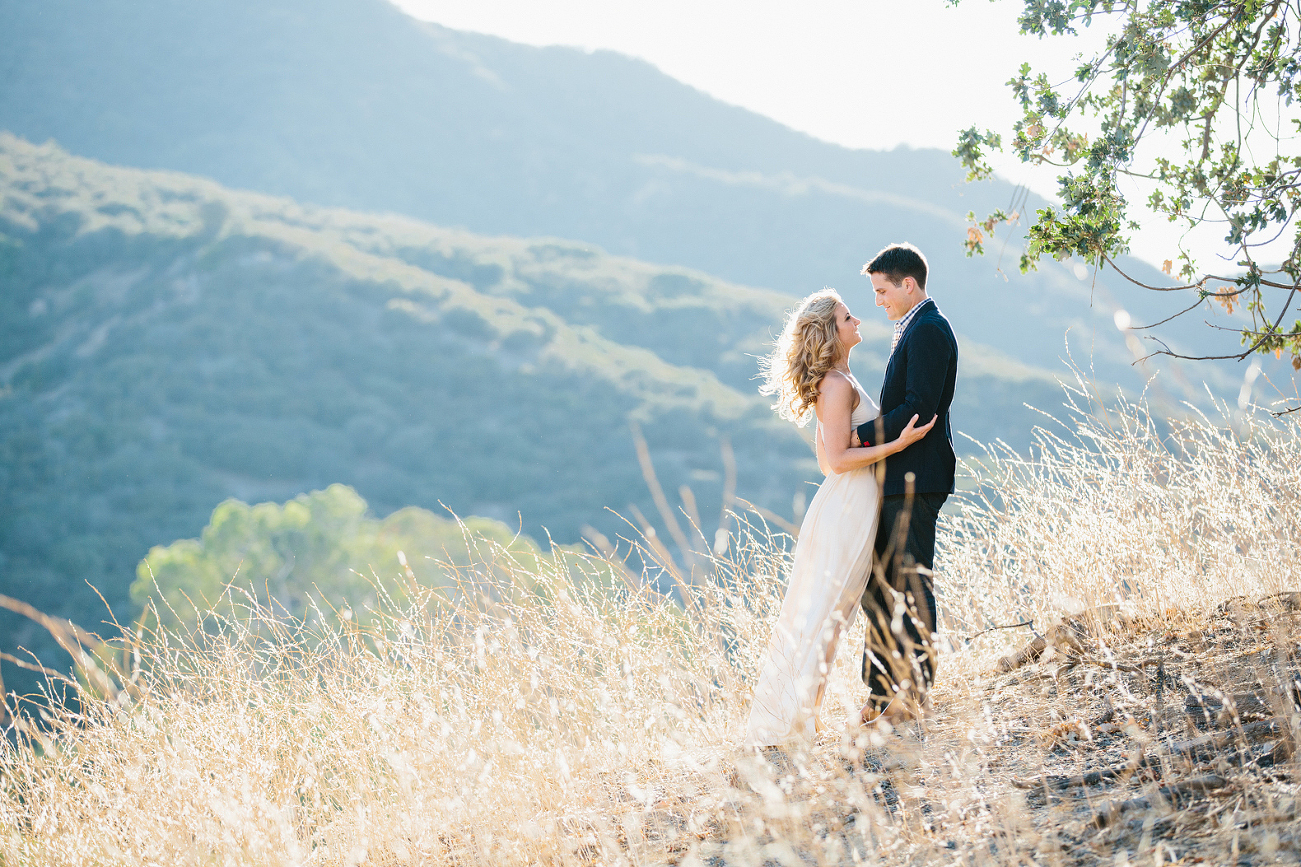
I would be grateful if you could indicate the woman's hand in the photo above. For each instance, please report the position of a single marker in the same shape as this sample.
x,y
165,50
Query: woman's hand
x,y
837,438
911,433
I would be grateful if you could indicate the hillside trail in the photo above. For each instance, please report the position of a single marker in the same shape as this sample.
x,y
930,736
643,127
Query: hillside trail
x,y
1108,740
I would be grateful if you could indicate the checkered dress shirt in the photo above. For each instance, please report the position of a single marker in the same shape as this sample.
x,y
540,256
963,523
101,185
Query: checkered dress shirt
x,y
903,323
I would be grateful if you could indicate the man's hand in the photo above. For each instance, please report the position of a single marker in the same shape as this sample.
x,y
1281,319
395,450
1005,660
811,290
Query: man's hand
x,y
854,441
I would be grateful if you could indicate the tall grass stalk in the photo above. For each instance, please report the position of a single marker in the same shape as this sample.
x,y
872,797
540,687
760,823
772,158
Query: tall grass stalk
x,y
551,716
1117,507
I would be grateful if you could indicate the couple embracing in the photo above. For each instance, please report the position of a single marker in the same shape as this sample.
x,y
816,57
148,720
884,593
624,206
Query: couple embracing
x,y
868,539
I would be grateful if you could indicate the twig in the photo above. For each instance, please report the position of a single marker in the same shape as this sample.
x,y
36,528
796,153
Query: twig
x,y
785,525
657,494
1066,634
1217,740
1182,749
1111,810
1134,668
1029,623
729,494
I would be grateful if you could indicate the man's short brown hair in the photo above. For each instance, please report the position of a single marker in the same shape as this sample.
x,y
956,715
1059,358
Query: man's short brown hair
x,y
898,261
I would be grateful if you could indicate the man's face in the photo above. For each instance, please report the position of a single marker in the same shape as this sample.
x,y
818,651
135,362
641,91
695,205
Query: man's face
x,y
897,299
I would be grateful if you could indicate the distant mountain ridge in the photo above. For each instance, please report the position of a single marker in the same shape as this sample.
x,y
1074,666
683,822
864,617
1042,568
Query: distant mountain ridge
x,y
351,103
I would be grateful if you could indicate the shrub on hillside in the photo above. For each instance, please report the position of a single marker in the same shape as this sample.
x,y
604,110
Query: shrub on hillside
x,y
321,551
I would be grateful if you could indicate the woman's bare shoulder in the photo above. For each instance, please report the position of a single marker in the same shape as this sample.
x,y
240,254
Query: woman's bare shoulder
x,y
835,385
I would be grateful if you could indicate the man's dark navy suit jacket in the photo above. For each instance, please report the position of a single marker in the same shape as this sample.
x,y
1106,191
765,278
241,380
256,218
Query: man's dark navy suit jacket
x,y
919,381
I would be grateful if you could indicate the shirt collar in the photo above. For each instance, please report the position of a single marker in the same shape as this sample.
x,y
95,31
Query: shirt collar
x,y
903,323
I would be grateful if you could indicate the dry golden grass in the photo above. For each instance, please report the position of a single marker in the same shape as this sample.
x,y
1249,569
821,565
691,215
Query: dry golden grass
x,y
547,718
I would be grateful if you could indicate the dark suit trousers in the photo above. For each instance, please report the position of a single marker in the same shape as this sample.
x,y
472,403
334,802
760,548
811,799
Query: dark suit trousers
x,y
899,602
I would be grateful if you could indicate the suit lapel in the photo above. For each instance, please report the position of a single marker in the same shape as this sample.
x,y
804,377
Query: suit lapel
x,y
921,314
889,365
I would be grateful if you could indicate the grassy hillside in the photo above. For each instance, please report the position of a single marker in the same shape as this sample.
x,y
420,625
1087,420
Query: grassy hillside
x,y
572,721
166,344
350,103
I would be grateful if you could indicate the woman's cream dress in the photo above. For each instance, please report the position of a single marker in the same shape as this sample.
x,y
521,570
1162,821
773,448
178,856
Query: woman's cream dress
x,y
833,557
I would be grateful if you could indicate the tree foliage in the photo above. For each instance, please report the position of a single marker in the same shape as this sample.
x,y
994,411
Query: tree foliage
x,y
1218,78
319,551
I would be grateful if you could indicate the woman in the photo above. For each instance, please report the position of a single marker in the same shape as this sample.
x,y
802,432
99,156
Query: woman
x,y
809,371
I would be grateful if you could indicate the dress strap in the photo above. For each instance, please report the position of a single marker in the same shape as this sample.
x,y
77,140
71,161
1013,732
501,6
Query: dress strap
x,y
849,379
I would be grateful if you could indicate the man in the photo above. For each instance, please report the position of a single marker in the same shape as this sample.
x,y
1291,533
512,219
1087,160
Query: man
x,y
899,602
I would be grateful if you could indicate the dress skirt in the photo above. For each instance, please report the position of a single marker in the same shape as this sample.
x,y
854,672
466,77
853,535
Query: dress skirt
x,y
832,562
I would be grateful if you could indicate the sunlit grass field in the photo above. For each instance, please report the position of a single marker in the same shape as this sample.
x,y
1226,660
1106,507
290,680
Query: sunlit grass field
x,y
580,712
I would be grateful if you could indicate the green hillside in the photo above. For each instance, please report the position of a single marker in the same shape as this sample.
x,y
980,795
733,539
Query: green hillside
x,y
166,344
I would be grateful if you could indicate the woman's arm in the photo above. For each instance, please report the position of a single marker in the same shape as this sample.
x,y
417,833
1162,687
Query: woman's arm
x,y
834,407
817,447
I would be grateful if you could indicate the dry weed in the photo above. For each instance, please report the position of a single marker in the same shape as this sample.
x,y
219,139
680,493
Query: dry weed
x,y
555,717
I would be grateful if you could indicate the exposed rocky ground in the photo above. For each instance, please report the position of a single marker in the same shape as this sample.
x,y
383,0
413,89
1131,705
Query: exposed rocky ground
x,y
1171,735
1108,740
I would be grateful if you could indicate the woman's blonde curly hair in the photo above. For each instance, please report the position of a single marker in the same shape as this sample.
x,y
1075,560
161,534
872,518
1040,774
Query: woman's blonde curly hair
x,y
808,348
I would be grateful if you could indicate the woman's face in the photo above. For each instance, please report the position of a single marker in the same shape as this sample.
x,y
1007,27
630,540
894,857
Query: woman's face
x,y
847,328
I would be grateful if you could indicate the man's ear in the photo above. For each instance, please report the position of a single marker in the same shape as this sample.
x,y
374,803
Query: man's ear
x,y
909,285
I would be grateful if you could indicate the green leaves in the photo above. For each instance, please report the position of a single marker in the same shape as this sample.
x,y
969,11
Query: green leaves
x,y
1215,72
1057,17
970,152
318,551
1089,225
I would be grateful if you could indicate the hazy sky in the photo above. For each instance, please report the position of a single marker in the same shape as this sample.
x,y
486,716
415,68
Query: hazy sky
x,y
861,73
